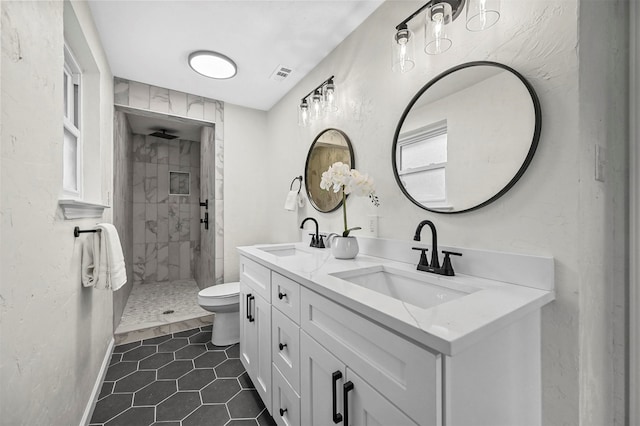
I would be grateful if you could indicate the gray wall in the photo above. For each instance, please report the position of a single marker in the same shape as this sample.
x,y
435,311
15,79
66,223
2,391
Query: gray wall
x,y
123,205
166,228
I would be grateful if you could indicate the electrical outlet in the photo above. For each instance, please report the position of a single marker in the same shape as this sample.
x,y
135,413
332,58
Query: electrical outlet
x,y
601,162
372,226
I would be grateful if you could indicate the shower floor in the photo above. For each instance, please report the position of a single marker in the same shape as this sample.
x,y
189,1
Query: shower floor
x,y
161,308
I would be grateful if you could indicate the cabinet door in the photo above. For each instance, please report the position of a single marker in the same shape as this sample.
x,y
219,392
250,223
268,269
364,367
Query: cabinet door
x,y
320,392
248,330
365,406
262,362
255,340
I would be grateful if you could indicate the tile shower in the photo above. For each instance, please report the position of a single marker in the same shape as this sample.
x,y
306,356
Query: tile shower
x,y
166,227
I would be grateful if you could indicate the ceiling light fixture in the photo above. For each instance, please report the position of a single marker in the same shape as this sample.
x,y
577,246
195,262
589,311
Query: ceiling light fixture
x,y
317,102
481,14
212,64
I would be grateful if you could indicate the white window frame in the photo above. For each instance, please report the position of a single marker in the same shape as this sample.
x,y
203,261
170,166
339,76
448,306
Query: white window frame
x,y
423,135
72,123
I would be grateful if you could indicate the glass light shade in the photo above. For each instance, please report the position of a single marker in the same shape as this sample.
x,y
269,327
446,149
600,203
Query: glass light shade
x,y
403,51
303,114
482,14
435,35
330,97
316,105
212,64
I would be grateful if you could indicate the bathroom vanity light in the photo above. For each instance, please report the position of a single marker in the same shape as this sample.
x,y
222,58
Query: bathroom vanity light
x,y
212,64
318,102
481,14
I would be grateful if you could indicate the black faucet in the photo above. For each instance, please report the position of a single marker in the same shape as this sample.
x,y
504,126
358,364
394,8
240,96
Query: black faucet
x,y
434,266
316,239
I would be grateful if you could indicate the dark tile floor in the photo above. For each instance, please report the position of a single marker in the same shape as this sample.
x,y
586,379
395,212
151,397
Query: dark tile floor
x,y
181,379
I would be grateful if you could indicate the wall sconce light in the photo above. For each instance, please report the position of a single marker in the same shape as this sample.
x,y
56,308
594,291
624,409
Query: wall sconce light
x,y
316,103
481,14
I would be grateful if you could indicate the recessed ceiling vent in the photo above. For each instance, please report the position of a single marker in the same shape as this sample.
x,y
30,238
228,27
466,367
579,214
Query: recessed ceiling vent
x,y
280,73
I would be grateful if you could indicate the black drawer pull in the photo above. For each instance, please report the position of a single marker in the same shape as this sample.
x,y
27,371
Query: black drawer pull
x,y
337,417
251,317
281,295
348,387
282,345
282,411
248,307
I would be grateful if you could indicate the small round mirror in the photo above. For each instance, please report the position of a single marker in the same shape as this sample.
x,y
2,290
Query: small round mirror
x,y
466,137
329,146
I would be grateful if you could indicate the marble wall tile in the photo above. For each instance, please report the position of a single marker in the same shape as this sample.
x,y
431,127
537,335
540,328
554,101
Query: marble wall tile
x,y
195,257
210,107
174,221
138,95
174,261
151,183
163,151
163,183
159,99
121,91
219,160
185,222
194,229
185,260
178,103
219,185
151,223
163,262
139,231
194,190
163,223
174,153
195,106
138,262
185,152
139,211
219,271
151,263
195,154
144,151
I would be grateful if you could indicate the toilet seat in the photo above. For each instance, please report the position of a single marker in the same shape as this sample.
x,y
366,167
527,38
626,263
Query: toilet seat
x,y
221,291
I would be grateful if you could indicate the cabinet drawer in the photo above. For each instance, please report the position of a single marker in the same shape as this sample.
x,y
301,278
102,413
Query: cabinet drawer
x,y
257,277
286,402
285,332
404,373
285,295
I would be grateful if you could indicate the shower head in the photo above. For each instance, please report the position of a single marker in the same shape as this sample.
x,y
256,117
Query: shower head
x,y
162,134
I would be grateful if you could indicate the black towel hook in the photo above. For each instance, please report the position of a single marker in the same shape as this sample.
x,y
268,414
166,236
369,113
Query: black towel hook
x,y
293,181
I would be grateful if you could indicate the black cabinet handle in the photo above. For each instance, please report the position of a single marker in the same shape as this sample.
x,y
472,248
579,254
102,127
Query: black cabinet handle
x,y
282,345
281,295
337,417
251,318
282,411
248,309
347,387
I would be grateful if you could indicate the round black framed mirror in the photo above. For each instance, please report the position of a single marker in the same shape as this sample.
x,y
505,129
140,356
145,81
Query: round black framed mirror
x,y
466,137
329,146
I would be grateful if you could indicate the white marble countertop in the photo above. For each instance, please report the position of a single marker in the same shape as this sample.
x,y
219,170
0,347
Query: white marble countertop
x,y
449,328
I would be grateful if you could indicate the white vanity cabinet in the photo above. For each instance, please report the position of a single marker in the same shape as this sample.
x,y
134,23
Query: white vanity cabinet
x,y
316,362
255,325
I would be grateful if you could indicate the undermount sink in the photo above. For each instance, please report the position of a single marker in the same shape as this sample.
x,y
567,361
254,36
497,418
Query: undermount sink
x,y
420,289
283,250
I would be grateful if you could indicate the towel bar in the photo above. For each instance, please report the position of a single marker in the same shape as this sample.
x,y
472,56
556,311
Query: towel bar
x,y
77,231
293,181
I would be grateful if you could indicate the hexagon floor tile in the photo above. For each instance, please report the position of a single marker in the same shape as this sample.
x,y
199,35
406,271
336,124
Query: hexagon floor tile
x,y
179,379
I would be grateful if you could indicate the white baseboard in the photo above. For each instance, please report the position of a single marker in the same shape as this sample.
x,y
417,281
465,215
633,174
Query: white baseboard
x,y
91,405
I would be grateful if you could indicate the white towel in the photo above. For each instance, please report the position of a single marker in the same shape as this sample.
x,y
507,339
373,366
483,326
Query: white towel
x,y
109,268
88,271
292,200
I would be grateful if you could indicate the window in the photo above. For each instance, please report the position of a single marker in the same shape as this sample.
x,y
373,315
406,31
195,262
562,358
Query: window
x,y
72,142
422,162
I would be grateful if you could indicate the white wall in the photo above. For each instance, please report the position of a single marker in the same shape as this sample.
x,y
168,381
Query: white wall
x,y
548,212
246,183
54,332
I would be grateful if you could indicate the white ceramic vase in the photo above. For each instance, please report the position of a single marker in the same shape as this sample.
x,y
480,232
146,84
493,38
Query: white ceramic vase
x,y
344,247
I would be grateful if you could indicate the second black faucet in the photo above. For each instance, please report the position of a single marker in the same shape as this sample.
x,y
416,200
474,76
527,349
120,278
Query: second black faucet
x,y
434,266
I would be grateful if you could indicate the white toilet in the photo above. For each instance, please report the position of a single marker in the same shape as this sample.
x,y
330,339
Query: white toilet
x,y
224,301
